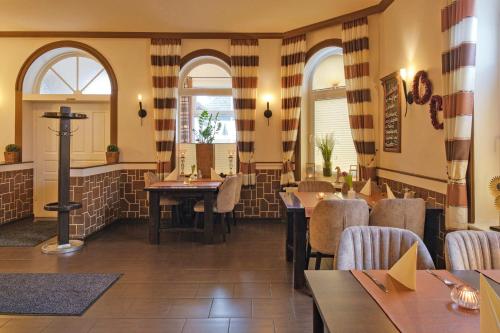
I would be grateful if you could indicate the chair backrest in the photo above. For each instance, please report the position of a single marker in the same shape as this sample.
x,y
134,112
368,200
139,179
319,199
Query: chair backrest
x,y
467,249
378,248
226,196
316,186
400,213
237,195
330,218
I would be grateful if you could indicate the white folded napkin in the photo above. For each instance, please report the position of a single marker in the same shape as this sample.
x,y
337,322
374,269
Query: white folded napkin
x,y
214,175
367,189
405,269
489,320
390,195
173,175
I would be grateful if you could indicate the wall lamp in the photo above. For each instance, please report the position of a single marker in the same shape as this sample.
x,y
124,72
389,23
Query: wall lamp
x,y
267,112
405,75
142,112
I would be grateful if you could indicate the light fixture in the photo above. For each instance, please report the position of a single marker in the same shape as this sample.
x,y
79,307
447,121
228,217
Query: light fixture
x,y
267,112
142,112
405,75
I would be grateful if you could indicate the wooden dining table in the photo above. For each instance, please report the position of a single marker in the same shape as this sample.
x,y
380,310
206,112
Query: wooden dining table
x,y
296,214
342,304
204,189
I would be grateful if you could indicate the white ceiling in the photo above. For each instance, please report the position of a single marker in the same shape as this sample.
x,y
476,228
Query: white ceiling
x,y
170,15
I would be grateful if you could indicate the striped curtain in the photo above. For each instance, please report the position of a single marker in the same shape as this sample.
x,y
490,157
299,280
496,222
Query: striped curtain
x,y
165,65
459,28
357,70
244,65
293,59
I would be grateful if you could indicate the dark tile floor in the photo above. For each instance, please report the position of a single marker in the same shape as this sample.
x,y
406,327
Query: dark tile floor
x,y
243,285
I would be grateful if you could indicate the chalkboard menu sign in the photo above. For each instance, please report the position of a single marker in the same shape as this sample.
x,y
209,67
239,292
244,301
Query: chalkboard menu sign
x,y
392,113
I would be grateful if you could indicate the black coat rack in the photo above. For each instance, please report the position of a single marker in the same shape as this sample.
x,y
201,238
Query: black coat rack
x,y
63,207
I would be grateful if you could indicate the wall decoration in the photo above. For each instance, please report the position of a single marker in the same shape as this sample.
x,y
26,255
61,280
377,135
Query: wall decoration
x,y
392,113
436,106
421,81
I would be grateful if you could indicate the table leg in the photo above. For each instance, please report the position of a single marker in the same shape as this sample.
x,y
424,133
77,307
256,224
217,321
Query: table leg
x,y
154,217
208,215
299,249
289,236
318,326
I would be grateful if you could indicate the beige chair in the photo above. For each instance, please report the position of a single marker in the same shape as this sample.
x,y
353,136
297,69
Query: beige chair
x,y
224,203
151,178
316,186
467,250
237,198
328,220
378,248
357,186
400,213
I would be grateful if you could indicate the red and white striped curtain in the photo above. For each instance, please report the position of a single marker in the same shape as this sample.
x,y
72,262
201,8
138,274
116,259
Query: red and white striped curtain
x,y
459,29
244,66
293,60
165,65
357,74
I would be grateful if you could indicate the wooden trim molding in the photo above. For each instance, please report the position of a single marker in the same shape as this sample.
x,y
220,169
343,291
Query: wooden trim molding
x,y
414,175
333,42
204,53
375,9
55,45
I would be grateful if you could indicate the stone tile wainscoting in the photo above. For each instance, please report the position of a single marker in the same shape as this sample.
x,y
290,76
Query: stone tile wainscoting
x,y
16,191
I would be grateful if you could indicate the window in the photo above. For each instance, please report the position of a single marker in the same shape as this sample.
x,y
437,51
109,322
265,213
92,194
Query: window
x,y
74,73
328,113
205,86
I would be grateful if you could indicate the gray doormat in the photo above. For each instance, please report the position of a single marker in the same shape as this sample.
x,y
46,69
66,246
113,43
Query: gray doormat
x,y
27,232
51,293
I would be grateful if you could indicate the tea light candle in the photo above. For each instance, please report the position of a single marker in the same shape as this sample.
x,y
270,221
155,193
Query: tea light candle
x,y
321,195
465,297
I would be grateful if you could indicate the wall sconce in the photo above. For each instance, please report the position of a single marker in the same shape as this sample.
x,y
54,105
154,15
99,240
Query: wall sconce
x,y
268,113
142,112
405,75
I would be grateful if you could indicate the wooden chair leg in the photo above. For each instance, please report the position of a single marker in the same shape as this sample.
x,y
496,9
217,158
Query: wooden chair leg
x,y
308,255
318,261
233,217
228,223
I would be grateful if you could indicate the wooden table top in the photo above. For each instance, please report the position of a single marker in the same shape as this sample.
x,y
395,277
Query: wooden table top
x,y
292,202
196,185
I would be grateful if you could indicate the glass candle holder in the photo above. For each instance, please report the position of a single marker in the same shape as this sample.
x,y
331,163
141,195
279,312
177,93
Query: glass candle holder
x,y
465,297
320,195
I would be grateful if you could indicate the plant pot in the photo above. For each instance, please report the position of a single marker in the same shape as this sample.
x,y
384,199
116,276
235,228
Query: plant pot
x,y
205,153
327,169
112,157
12,156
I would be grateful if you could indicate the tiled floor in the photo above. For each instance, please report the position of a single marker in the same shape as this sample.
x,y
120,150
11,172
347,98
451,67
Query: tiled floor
x,y
243,285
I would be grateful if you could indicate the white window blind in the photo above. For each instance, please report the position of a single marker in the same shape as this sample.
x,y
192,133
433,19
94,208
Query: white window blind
x,y
331,116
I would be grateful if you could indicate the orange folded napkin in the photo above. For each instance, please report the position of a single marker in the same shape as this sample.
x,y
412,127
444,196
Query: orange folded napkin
x,y
390,194
172,176
405,269
367,189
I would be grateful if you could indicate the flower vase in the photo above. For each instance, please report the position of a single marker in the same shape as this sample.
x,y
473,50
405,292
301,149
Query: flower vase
x,y
327,169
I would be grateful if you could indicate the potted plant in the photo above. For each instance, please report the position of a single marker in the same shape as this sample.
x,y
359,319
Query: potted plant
x,y
325,145
12,154
112,154
208,127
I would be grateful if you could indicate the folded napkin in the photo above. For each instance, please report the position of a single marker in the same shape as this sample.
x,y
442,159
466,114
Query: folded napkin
x,y
390,195
173,175
214,175
405,269
367,189
489,320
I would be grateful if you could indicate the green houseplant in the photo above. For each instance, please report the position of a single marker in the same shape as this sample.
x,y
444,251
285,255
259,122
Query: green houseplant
x,y
112,154
208,127
12,153
325,145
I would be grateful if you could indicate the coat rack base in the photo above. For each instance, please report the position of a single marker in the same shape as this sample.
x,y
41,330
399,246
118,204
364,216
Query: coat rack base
x,y
55,248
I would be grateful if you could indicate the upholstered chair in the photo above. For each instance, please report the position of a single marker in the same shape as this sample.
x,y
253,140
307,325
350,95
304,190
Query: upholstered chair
x,y
316,186
224,203
400,213
378,248
357,186
467,249
151,178
328,220
237,198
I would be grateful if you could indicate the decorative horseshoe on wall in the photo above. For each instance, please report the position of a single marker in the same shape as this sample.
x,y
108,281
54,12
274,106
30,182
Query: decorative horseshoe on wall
x,y
436,106
421,78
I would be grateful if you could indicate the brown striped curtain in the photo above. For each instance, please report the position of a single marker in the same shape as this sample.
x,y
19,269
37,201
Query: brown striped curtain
x,y
458,27
165,65
293,60
357,74
244,66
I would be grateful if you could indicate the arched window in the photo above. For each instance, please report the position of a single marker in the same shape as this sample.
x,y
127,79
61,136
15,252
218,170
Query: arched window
x,y
74,73
205,88
326,107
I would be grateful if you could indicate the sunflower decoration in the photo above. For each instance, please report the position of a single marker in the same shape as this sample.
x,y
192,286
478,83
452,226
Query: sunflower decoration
x,y
495,190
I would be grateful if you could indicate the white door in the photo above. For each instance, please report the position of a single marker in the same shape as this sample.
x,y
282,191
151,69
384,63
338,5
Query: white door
x,y
88,146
